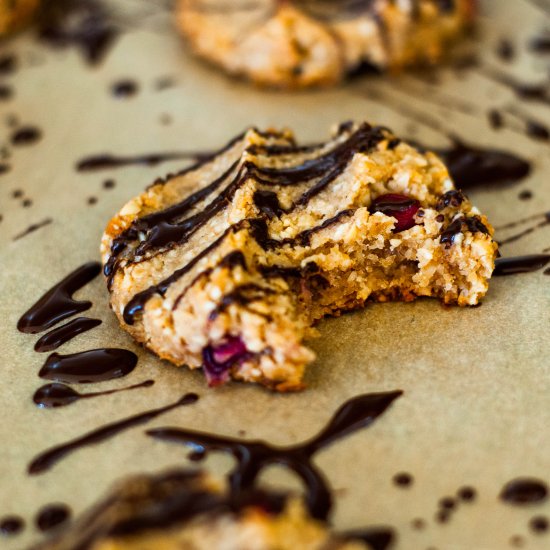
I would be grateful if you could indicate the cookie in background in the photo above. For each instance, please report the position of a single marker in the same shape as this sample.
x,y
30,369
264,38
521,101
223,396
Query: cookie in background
x,y
302,43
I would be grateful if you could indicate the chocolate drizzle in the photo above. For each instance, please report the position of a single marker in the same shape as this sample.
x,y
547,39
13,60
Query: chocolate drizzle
x,y
458,226
244,295
58,304
32,228
137,303
475,166
59,336
520,264
542,220
59,395
254,456
106,161
304,237
162,227
90,366
46,460
231,261
259,231
469,165
267,203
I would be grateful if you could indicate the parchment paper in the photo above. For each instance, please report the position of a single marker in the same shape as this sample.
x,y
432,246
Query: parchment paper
x,y
476,408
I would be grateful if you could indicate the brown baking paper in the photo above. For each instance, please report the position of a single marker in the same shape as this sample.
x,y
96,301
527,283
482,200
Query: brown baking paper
x,y
476,382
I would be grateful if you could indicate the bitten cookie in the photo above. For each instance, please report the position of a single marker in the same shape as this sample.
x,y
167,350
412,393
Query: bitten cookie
x,y
299,43
183,510
228,264
15,13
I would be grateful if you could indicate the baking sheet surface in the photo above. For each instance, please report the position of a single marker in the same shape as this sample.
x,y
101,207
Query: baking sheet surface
x,y
476,407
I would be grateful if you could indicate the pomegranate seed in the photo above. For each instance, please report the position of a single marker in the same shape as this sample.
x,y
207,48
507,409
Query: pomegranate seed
x,y
218,360
400,207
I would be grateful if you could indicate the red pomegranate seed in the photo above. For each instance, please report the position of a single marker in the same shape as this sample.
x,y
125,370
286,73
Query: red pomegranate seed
x,y
218,360
400,207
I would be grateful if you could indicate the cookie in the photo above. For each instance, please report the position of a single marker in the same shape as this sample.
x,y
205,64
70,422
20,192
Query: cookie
x,y
182,510
299,43
228,264
15,13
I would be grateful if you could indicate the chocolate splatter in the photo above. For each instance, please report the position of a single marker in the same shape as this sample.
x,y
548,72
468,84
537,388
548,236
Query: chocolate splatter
x,y
472,166
32,228
11,525
106,161
520,264
59,336
539,525
87,26
27,135
467,494
524,491
403,479
125,88
52,516
86,367
59,395
46,460
525,195
58,304
254,456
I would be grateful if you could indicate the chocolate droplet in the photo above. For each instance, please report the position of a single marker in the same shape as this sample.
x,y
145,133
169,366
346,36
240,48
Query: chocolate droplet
x,y
524,491
52,515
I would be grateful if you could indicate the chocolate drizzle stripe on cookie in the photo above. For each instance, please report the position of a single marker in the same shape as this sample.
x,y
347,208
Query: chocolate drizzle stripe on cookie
x,y
162,231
